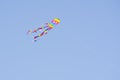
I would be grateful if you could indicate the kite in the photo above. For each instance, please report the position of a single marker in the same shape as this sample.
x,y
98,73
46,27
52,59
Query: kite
x,y
44,29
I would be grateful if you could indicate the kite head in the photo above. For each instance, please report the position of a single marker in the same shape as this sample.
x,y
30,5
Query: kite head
x,y
56,21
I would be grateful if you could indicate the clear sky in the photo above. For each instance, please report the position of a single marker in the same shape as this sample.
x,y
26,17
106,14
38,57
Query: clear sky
x,y
84,46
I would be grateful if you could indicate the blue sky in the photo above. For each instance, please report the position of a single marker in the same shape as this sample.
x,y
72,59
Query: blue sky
x,y
84,46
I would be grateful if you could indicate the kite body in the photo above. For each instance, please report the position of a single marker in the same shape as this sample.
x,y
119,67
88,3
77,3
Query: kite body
x,y
44,29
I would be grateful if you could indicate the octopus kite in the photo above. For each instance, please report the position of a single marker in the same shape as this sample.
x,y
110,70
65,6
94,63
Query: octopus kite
x,y
44,29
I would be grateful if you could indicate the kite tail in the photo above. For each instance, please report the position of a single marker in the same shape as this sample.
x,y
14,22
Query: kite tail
x,y
39,35
29,31
36,30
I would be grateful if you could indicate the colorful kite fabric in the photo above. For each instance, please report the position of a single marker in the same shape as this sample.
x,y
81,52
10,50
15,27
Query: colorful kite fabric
x,y
44,29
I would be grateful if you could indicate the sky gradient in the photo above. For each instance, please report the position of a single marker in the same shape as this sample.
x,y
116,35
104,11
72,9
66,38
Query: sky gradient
x,y
84,46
